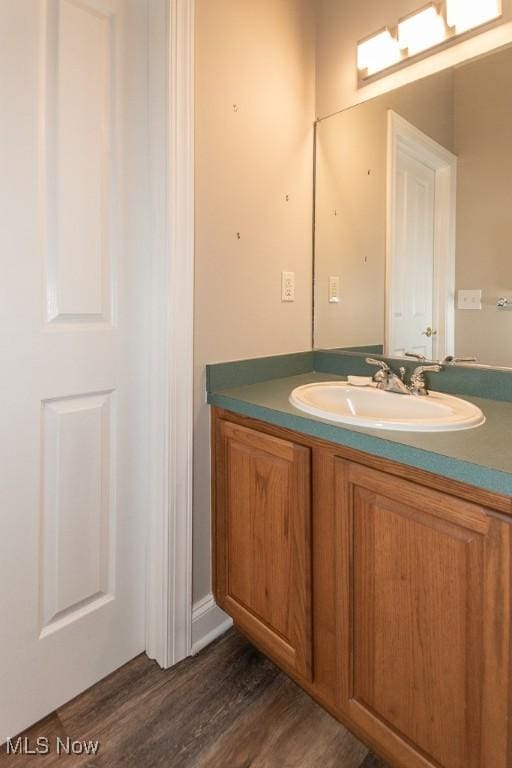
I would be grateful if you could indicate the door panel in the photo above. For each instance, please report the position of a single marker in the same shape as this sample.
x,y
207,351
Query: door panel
x,y
264,541
78,508
80,142
415,583
412,258
72,333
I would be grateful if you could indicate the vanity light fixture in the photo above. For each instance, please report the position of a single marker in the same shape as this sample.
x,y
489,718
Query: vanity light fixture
x,y
463,15
438,22
421,30
377,52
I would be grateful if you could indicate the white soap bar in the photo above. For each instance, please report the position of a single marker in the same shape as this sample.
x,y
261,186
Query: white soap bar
x,y
360,381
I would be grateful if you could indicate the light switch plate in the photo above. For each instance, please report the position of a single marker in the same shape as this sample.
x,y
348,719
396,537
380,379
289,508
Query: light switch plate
x,y
469,299
334,289
288,286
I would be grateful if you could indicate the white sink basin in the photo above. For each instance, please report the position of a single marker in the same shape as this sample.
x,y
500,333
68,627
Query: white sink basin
x,y
371,407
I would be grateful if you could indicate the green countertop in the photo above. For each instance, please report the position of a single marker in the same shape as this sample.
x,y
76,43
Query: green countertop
x,y
481,457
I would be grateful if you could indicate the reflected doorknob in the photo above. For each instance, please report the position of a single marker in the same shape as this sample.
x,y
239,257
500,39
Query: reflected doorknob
x,y
429,333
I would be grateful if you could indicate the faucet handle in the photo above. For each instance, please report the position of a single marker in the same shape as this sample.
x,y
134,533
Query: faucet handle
x,y
380,363
452,360
385,371
418,385
421,369
416,355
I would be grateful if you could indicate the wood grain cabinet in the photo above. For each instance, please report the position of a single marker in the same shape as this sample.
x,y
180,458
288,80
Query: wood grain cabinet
x,y
263,535
425,615
384,591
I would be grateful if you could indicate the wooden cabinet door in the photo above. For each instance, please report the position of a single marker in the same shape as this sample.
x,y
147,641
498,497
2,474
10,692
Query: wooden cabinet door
x,y
263,541
424,621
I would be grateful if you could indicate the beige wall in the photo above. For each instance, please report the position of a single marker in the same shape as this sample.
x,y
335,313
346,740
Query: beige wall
x,y
341,23
351,206
259,55
483,143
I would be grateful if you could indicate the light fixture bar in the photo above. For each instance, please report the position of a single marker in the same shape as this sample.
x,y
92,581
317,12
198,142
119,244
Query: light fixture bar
x,y
421,30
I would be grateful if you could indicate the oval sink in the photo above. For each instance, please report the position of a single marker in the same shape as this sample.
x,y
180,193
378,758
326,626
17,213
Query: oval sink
x,y
371,407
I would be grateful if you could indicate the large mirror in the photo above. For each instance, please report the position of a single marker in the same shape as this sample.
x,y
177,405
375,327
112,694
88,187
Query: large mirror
x,y
413,232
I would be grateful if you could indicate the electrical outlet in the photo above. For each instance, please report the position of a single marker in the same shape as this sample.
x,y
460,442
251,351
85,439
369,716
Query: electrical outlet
x,y
334,290
469,299
288,286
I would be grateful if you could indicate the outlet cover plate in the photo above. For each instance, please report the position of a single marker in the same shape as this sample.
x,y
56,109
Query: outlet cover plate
x,y
288,286
469,299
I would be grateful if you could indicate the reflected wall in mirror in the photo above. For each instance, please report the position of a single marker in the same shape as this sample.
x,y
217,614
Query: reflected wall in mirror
x,y
413,231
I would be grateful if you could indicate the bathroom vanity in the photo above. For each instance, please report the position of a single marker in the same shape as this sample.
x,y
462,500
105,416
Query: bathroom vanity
x,y
382,587
374,566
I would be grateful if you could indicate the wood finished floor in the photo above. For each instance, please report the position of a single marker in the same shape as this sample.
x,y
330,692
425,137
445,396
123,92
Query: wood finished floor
x,y
229,707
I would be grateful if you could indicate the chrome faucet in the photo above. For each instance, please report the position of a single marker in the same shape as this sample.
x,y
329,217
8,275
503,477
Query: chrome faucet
x,y
388,381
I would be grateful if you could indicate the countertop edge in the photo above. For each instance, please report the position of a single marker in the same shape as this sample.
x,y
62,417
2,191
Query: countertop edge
x,y
463,471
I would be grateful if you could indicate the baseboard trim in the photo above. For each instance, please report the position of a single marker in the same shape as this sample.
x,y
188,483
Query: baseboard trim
x,y
208,623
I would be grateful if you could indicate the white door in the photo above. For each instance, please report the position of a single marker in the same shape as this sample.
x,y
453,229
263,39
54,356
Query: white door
x,y
411,269
72,387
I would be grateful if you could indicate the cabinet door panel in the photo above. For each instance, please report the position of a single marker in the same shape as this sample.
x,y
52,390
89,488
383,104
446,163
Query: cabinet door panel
x,y
416,575
263,573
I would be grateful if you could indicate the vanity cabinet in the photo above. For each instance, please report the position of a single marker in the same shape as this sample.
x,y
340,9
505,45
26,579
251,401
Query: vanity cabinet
x,y
383,590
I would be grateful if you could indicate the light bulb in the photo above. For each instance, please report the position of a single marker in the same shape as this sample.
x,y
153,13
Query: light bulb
x,y
467,14
378,52
421,30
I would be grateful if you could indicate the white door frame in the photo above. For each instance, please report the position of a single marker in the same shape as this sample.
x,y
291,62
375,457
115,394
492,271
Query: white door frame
x,y
402,134
171,222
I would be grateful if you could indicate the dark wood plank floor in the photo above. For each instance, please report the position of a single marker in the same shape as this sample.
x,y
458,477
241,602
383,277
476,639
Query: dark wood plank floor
x,y
229,707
